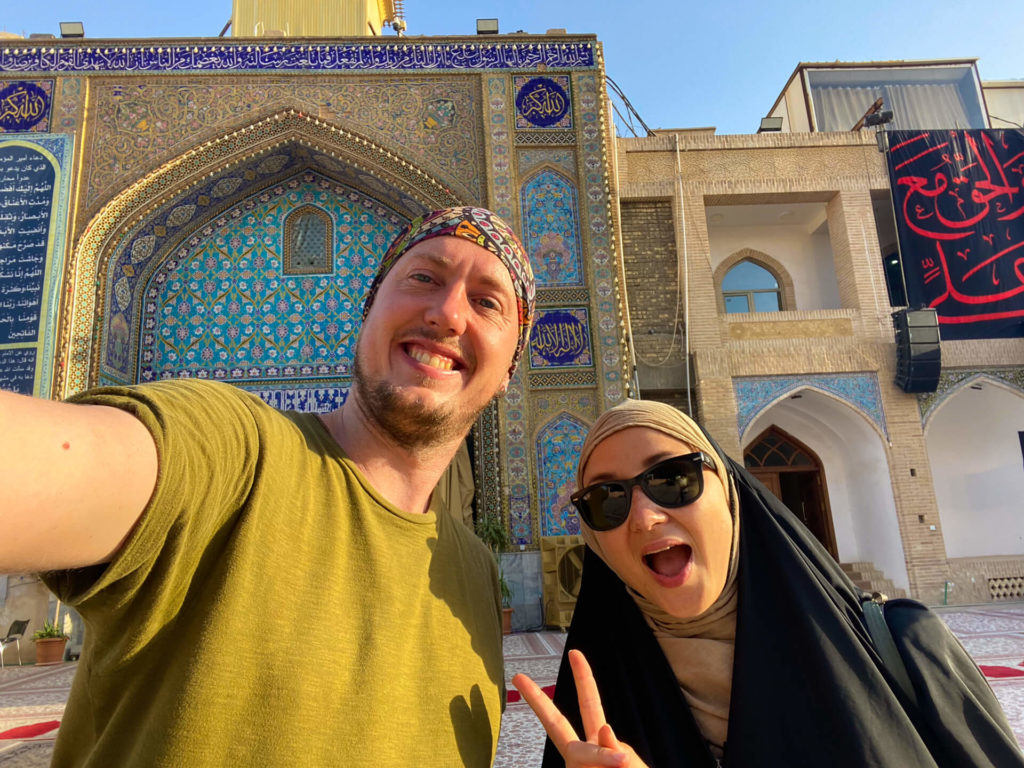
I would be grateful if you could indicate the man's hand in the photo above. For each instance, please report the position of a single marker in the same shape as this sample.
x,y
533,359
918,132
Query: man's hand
x,y
601,749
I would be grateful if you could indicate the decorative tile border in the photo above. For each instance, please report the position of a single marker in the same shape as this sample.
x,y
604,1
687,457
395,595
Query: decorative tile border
x,y
554,138
515,468
610,345
486,466
547,297
860,390
563,380
401,54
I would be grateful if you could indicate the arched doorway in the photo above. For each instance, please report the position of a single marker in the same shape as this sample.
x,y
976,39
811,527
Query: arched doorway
x,y
793,472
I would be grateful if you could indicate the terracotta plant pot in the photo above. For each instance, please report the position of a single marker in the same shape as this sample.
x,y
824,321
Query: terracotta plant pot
x,y
50,650
506,621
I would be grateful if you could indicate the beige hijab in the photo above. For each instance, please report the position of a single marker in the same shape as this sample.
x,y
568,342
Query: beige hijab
x,y
699,649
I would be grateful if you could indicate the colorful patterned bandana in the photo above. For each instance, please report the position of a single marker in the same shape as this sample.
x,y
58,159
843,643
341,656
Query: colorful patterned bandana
x,y
486,230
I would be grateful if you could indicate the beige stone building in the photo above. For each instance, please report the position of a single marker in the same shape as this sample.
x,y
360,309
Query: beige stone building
x,y
762,259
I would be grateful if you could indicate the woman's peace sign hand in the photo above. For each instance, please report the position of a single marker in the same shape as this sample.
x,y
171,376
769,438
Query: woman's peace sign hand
x,y
601,749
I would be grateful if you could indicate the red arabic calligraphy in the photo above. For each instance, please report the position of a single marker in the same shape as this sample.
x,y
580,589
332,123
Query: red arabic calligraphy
x,y
961,193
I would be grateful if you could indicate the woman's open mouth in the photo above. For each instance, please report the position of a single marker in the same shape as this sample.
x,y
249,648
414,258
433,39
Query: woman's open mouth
x,y
670,565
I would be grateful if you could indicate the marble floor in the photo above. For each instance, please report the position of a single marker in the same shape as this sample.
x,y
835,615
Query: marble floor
x,y
993,634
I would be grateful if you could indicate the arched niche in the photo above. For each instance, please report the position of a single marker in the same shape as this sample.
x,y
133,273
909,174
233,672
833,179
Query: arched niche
x,y
558,447
853,457
975,441
175,207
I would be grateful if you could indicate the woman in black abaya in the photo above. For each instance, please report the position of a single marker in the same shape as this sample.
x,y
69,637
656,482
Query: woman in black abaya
x,y
719,632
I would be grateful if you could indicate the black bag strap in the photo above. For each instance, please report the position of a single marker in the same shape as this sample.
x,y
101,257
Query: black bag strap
x,y
881,636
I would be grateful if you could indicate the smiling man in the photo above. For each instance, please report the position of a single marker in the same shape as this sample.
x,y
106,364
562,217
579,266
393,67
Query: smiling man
x,y
267,588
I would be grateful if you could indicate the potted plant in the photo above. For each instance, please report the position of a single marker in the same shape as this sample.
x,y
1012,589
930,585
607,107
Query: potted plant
x,y
494,535
50,642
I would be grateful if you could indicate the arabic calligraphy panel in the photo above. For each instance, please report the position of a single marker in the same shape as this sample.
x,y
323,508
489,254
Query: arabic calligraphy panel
x,y
561,339
18,370
27,182
543,102
959,202
25,106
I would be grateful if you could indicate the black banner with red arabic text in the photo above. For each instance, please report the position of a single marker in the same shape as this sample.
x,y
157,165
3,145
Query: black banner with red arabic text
x,y
959,202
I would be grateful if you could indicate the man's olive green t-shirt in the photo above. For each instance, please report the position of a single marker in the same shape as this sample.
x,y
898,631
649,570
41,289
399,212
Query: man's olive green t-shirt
x,y
271,608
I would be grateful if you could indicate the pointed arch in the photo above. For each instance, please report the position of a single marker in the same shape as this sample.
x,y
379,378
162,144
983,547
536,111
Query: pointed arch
x,y
161,209
859,392
787,294
796,475
973,381
857,460
975,440
558,445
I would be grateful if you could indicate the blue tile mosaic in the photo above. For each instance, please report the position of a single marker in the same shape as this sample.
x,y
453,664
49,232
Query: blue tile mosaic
x,y
558,450
860,390
551,215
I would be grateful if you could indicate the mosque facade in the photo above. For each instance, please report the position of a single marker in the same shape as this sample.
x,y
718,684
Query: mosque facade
x,y
216,208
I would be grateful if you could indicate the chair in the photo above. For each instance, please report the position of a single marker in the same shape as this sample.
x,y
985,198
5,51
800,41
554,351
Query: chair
x,y
14,635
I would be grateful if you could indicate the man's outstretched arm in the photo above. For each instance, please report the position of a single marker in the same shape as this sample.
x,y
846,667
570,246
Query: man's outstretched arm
x,y
74,479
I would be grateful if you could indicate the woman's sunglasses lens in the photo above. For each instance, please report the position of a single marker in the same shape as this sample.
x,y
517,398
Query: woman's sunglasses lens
x,y
608,506
674,483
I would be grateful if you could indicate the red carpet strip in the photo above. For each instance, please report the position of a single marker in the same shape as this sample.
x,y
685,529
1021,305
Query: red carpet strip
x,y
514,696
36,729
997,672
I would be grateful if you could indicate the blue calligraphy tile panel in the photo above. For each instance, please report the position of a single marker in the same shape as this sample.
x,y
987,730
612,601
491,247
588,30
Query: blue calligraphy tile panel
x,y
283,57
27,183
18,369
558,451
25,106
33,207
561,339
543,102
551,215
861,390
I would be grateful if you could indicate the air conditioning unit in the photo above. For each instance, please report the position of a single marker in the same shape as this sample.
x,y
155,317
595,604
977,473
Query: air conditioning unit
x,y
562,567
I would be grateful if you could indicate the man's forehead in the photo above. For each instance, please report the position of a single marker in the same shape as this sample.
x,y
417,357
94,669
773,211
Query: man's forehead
x,y
452,252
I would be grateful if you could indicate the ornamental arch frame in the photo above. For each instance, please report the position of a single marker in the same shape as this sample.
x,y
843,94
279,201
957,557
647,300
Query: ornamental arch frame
x,y
88,294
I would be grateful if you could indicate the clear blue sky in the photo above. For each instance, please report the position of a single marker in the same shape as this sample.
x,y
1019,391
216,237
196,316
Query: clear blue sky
x,y
681,64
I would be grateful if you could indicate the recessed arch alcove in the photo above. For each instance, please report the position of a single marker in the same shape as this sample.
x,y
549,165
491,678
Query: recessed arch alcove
x,y
855,464
223,205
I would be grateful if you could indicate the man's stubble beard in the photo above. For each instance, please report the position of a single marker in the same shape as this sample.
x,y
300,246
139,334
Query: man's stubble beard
x,y
409,424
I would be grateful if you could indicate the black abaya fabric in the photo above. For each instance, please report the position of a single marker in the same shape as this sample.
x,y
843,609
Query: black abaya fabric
x,y
808,687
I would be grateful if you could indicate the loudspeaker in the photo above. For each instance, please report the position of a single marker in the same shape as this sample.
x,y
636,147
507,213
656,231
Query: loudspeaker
x,y
918,352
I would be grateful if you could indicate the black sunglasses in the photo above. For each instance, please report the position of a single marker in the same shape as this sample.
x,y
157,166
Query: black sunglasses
x,y
673,482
